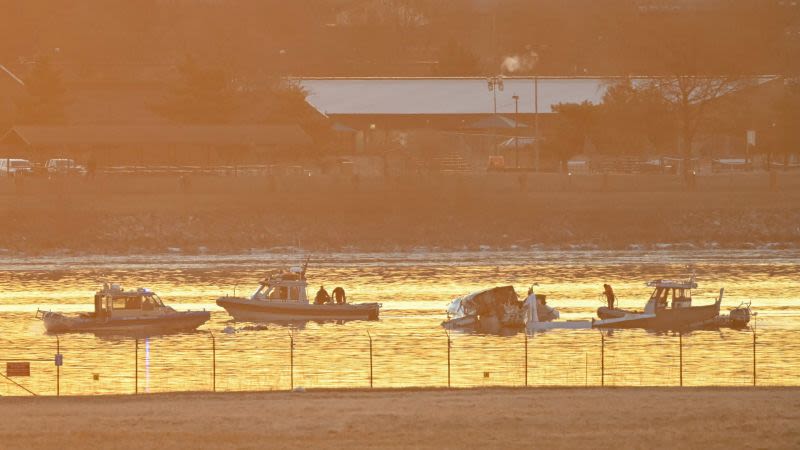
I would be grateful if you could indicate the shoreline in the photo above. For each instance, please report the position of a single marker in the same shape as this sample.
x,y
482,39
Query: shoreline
x,y
420,418
398,253
220,215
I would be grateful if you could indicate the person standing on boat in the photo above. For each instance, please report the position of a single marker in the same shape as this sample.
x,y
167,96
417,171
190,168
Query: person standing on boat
x,y
339,295
609,294
322,296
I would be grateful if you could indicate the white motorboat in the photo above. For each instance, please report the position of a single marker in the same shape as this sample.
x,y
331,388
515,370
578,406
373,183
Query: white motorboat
x,y
669,308
119,311
282,297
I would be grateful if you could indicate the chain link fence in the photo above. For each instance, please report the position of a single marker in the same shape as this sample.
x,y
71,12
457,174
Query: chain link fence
x,y
284,359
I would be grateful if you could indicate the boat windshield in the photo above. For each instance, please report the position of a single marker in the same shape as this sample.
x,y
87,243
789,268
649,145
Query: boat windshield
x,y
660,295
156,300
681,294
127,302
278,293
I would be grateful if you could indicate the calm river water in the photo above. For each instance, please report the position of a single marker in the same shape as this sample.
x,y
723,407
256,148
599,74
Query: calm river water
x,y
407,347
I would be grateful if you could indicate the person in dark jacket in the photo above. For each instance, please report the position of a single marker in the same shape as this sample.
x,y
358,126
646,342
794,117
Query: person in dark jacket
x,y
609,294
339,295
322,296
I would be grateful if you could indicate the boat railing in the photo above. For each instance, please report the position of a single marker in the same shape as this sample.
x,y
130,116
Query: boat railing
x,y
279,300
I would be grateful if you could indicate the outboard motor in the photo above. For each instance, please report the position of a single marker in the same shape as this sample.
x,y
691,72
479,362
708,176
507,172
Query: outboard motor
x,y
740,316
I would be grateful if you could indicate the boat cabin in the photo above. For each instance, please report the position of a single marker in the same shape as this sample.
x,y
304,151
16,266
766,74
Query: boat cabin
x,y
666,292
114,301
286,286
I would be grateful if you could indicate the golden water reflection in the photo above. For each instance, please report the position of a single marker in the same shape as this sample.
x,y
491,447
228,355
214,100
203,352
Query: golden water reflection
x,y
409,348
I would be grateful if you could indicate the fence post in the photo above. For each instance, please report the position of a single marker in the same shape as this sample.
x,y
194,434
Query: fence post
x,y
370,359
526,358
754,353
448,357
58,368
136,368
602,359
213,362
291,360
680,355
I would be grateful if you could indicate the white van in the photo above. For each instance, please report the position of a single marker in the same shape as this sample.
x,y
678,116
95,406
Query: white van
x,y
13,166
64,166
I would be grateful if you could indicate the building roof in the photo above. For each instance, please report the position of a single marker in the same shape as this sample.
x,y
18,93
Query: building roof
x,y
342,96
455,96
208,135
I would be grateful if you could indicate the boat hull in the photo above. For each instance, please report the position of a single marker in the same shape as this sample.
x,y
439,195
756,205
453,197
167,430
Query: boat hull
x,y
178,321
665,319
265,311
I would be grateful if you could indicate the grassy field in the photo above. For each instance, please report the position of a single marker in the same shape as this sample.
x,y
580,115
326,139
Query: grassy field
x,y
229,214
484,418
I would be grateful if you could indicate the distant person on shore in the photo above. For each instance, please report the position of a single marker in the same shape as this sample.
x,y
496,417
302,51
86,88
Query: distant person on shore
x,y
322,296
339,295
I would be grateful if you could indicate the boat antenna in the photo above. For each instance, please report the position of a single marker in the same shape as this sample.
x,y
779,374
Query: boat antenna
x,y
305,266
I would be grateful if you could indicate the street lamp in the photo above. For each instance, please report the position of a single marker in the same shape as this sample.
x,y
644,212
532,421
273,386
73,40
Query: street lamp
x,y
495,84
536,122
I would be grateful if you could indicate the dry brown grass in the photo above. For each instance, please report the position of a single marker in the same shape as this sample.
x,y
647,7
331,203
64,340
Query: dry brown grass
x,y
228,214
701,418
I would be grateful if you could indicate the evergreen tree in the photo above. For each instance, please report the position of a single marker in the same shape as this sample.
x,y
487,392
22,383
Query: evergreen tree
x,y
576,122
201,96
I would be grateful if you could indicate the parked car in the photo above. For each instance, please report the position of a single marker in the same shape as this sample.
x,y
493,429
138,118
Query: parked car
x,y
63,166
13,166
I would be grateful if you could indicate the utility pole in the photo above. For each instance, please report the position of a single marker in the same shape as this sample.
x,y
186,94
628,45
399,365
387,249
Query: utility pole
x,y
516,123
495,84
536,122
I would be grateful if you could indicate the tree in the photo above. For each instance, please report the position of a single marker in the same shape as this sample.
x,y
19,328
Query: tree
x,y
634,116
577,122
45,96
201,96
688,97
286,103
787,110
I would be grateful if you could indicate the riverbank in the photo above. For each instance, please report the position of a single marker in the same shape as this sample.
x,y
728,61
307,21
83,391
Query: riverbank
x,y
238,214
494,418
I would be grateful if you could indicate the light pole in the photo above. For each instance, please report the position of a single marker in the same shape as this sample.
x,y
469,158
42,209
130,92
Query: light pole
x,y
536,122
495,84
516,123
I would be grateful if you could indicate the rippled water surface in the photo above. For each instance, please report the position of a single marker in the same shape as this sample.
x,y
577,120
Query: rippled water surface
x,y
407,347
